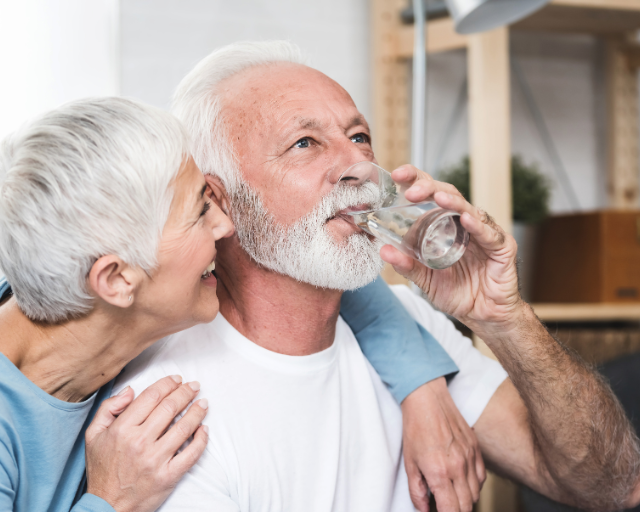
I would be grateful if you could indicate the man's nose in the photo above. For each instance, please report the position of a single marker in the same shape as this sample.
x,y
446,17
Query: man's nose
x,y
346,155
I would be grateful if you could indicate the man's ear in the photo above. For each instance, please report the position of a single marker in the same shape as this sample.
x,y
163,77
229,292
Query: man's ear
x,y
220,195
114,281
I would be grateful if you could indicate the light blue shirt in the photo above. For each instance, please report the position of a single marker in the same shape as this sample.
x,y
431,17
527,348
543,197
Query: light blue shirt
x,y
402,352
42,447
42,438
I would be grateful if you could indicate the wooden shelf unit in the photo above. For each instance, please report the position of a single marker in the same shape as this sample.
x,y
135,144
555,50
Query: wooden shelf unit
x,y
489,93
587,312
490,129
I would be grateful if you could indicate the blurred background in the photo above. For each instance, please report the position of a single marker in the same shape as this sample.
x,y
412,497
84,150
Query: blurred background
x,y
536,122
53,51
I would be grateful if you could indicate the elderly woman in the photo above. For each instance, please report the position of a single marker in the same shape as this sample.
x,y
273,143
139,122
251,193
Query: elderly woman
x,y
107,236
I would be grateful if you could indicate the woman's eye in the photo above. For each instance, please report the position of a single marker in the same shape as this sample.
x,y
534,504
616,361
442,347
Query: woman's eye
x,y
360,138
205,208
302,143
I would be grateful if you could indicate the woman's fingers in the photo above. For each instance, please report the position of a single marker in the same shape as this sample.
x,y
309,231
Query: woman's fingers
x,y
185,460
179,433
108,412
418,489
472,477
167,410
149,399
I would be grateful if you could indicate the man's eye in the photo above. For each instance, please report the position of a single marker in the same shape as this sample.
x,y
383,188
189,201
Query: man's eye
x,y
302,143
360,138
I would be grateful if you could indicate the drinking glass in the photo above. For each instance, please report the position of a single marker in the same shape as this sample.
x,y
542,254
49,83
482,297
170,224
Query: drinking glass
x,y
423,231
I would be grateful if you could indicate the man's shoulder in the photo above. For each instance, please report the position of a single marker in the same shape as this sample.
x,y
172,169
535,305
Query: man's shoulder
x,y
173,355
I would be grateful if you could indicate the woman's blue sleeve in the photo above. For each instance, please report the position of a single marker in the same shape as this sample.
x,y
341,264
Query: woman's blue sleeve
x,y
403,353
91,503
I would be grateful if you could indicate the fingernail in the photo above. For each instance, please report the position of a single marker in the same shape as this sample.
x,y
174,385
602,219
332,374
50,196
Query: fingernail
x,y
177,378
204,403
123,391
206,429
195,385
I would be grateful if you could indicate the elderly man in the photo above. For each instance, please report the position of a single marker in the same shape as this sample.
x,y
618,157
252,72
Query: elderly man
x,y
300,420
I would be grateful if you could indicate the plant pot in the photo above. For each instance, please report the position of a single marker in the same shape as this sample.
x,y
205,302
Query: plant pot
x,y
526,236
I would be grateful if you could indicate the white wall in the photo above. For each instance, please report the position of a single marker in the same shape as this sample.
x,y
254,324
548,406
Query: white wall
x,y
565,74
54,51
57,50
163,39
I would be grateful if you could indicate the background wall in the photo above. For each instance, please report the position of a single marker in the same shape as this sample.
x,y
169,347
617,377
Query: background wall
x,y
161,40
566,76
54,51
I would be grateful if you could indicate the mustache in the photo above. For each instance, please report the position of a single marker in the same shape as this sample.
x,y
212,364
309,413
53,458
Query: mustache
x,y
345,196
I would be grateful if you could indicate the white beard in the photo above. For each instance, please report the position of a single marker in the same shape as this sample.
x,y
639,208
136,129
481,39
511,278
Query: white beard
x,y
306,251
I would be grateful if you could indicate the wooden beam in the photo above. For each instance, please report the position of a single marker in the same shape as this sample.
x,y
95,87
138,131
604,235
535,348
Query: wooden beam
x,y
628,5
441,37
622,105
390,127
490,144
587,312
575,18
490,124
390,87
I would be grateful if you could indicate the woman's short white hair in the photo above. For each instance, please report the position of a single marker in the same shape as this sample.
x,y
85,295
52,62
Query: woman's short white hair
x,y
91,178
198,103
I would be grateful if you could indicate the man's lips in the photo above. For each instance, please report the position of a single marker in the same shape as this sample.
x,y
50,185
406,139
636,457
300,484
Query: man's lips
x,y
344,214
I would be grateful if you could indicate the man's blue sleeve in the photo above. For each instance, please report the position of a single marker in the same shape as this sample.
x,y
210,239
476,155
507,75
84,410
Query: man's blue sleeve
x,y
403,353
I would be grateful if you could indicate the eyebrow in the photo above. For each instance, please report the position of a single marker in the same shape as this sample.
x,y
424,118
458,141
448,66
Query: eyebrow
x,y
204,189
358,120
308,124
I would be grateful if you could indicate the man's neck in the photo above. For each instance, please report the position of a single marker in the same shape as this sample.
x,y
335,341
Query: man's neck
x,y
272,310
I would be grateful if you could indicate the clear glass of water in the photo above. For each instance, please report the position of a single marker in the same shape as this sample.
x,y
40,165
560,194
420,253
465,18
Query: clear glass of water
x,y
423,231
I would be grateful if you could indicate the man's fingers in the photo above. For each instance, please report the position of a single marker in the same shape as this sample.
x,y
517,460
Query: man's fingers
x,y
406,174
179,433
108,412
403,264
172,405
185,460
149,399
418,489
455,202
489,236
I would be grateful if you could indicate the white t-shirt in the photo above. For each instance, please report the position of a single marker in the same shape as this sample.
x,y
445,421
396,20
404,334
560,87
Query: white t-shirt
x,y
301,433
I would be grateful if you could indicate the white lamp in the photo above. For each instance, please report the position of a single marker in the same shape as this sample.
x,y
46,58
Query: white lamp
x,y
472,16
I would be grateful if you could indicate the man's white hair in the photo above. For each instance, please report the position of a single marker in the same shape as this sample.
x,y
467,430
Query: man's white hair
x,y
91,178
198,104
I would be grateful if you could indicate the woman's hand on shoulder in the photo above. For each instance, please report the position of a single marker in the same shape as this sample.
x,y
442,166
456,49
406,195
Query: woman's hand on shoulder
x,y
132,459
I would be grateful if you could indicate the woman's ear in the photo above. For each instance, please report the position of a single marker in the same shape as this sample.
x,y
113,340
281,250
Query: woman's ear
x,y
219,193
114,281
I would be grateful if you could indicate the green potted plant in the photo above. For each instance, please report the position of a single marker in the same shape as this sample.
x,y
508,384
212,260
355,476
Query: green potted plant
x,y
531,191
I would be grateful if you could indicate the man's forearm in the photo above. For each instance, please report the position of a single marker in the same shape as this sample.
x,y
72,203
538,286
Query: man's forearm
x,y
583,440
